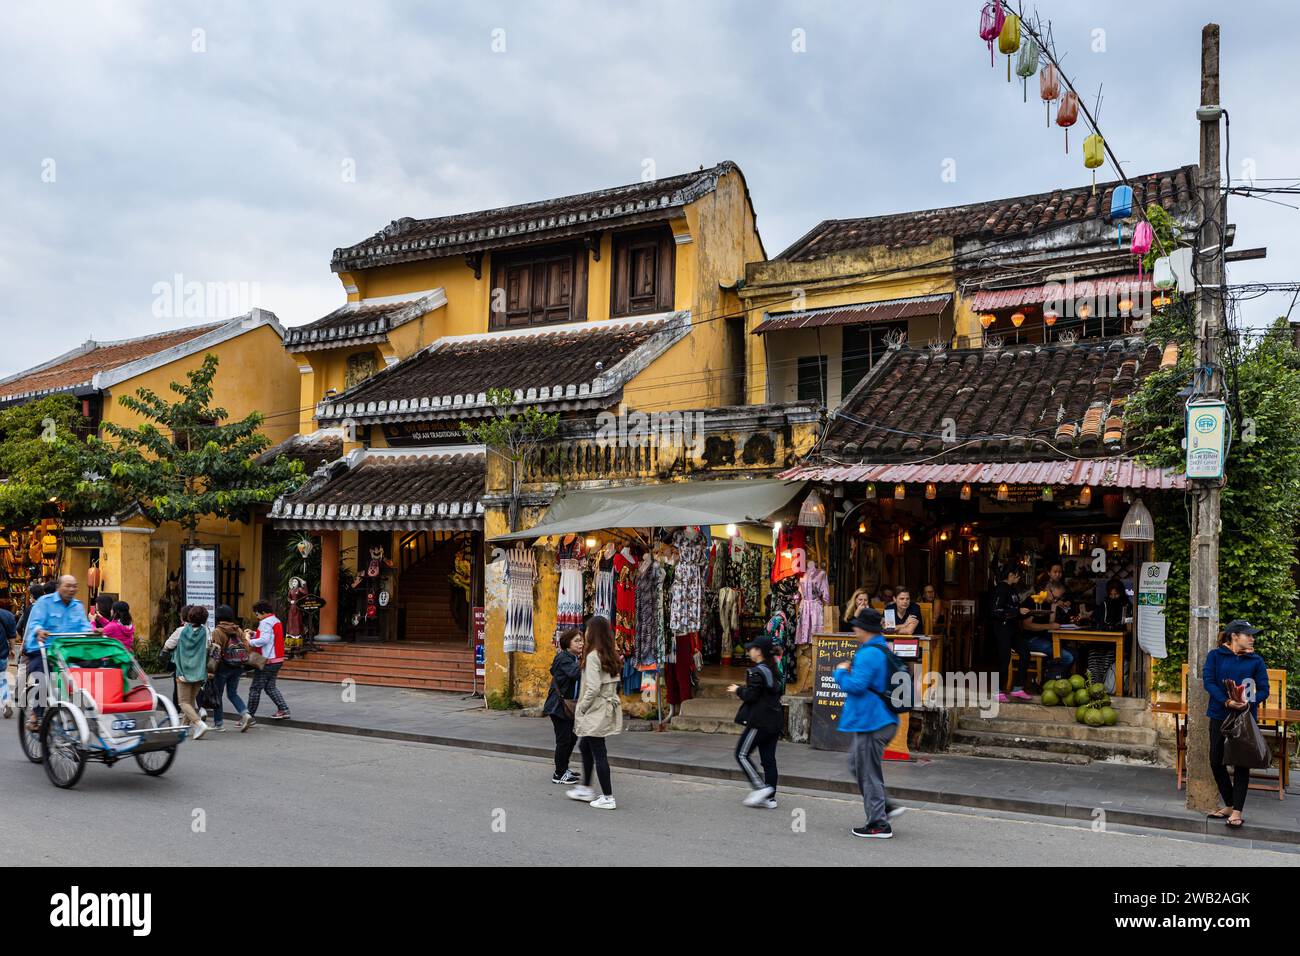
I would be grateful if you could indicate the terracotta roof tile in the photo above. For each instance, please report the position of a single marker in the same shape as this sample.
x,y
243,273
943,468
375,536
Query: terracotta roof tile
x,y
1003,403
1020,216
361,321
313,450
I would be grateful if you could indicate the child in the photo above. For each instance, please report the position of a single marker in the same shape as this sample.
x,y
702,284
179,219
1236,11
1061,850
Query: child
x,y
762,717
120,627
103,615
269,642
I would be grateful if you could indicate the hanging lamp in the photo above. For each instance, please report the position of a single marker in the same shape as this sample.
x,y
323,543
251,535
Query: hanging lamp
x,y
1137,525
1049,318
987,319
1143,237
1009,39
900,491
991,19
1017,319
812,513
1094,154
1067,114
931,491
1004,493
1049,89
1027,64
965,492
1085,496
870,492
1121,208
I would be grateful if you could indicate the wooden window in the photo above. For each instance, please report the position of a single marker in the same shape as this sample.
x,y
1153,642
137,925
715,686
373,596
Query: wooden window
x,y
864,346
537,286
643,274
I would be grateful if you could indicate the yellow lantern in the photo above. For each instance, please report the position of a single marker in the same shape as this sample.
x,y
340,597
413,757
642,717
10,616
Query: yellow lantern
x,y
1049,318
1009,39
931,491
870,493
1160,301
862,527
1004,493
1018,319
907,536
1085,496
900,491
1125,306
987,319
1094,154
965,492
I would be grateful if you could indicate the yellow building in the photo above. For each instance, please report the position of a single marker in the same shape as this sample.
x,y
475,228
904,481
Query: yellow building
x,y
137,559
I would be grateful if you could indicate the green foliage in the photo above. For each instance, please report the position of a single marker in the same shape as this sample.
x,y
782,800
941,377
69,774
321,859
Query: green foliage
x,y
1167,235
34,457
186,460
513,437
1260,502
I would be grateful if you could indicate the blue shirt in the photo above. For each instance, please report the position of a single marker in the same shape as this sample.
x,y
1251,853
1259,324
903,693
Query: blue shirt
x,y
52,614
1222,664
8,631
864,709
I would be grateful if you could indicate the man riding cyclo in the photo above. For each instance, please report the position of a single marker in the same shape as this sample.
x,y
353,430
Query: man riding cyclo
x,y
57,613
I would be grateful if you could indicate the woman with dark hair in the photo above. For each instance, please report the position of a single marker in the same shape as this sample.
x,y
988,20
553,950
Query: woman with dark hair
x,y
120,627
562,701
598,714
232,647
762,717
103,615
1234,662
189,646
1005,613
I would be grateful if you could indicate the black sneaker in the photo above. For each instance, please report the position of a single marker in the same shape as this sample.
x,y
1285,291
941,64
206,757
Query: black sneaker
x,y
567,778
874,831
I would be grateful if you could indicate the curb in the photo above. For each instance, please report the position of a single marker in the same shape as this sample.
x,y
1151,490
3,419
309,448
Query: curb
x,y
1192,823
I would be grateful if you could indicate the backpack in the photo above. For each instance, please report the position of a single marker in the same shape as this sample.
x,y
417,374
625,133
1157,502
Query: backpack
x,y
893,668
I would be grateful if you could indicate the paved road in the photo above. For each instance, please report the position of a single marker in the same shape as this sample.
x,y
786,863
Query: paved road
x,y
322,799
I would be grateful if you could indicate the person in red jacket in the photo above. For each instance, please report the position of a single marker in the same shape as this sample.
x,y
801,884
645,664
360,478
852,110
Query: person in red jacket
x,y
269,642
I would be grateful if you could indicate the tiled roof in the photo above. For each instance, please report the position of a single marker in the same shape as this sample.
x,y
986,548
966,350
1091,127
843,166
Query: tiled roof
x,y
1029,402
887,311
1106,286
998,219
583,365
357,322
419,488
77,368
408,240
313,450
1104,472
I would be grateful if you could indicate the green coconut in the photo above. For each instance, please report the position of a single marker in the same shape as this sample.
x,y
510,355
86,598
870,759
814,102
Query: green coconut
x,y
1092,717
1109,716
1077,682
1050,699
1079,713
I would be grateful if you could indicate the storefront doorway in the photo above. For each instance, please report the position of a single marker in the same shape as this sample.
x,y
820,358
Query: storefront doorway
x,y
435,586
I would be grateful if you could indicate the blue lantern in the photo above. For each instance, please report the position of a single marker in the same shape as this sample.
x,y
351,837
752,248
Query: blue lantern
x,y
1121,207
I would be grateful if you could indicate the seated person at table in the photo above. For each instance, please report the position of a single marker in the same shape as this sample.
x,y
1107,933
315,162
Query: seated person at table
x,y
1114,609
859,601
885,597
930,597
1039,627
907,615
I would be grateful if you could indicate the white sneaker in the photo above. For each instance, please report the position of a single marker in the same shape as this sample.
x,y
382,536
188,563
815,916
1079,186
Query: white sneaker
x,y
759,796
585,794
245,722
604,802
768,804
200,729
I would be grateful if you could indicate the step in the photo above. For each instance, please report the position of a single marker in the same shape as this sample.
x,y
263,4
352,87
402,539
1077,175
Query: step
x,y
1096,749
378,669
710,708
415,683
1140,736
1018,753
706,725
451,652
1133,711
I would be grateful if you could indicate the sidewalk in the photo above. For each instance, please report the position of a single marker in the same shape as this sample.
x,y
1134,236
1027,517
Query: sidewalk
x,y
1131,795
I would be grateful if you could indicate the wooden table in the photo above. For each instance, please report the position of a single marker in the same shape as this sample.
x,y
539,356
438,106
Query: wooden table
x,y
1280,715
1115,638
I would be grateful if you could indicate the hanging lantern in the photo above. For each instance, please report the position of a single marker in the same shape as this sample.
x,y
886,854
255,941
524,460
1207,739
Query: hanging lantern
x,y
871,491
1137,524
1094,154
965,492
1121,207
900,491
591,542
1027,64
1004,493
862,527
1085,496
931,491
987,319
1125,306
907,536
1160,301
991,19
1048,494
943,535
92,576
1067,114
1143,237
1018,319
974,547
1084,310
1162,276
1049,88
1009,40
812,513
1049,318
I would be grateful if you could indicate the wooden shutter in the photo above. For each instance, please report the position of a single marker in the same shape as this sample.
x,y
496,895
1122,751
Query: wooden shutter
x,y
546,284
643,276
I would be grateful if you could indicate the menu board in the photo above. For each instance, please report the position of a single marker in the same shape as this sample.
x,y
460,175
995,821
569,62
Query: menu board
x,y
201,564
828,699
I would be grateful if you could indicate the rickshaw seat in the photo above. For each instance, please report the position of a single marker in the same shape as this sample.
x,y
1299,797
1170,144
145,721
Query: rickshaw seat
x,y
105,685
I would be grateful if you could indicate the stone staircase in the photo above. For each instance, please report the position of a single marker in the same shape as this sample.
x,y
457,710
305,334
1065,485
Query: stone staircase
x,y
713,710
447,667
1029,731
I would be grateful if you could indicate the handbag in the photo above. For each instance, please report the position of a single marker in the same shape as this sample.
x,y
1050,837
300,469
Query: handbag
x,y
256,660
1243,744
571,704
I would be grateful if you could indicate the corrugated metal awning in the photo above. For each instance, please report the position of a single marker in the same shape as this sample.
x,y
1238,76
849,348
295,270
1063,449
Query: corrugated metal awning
x,y
991,299
1105,473
889,310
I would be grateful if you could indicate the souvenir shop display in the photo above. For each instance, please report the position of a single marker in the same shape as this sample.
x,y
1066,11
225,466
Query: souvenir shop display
x,y
368,585
521,576
569,595
604,591
625,577
814,592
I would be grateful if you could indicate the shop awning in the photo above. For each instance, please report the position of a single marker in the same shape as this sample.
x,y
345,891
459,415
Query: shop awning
x,y
1105,473
889,310
662,506
989,300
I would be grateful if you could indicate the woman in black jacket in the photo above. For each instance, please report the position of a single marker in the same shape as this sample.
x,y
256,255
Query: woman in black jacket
x,y
763,718
1005,612
566,672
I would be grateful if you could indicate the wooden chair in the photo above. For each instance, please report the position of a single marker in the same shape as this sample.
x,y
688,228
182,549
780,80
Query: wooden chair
x,y
1035,669
1180,732
960,634
927,617
878,605
1272,730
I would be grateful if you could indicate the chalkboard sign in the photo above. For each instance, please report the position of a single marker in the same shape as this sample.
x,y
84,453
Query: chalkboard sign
x,y
828,699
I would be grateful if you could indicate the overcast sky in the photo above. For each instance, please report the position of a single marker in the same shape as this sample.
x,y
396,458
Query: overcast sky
x,y
215,142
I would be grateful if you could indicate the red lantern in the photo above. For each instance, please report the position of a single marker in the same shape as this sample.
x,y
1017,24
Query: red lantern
x,y
1067,114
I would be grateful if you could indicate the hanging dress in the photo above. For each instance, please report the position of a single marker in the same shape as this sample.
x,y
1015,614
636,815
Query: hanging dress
x,y
649,618
521,574
568,601
813,593
625,605
605,589
688,582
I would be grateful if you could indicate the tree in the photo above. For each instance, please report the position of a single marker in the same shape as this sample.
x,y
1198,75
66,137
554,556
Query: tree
x,y
516,439
187,460
37,463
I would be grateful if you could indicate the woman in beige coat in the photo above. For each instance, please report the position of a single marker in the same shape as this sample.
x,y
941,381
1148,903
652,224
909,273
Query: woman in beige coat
x,y
598,714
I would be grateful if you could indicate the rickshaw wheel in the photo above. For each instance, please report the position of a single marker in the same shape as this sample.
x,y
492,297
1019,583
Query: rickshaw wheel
x,y
156,762
29,740
65,761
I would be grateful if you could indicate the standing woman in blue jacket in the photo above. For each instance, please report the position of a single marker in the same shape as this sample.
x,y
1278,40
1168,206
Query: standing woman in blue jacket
x,y
871,721
1235,660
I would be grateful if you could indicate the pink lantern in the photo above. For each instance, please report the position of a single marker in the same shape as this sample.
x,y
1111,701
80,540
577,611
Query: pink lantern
x,y
1143,237
991,20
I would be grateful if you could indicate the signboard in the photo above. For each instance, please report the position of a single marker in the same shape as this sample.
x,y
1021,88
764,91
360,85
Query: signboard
x,y
480,631
407,434
74,538
201,565
1207,427
828,699
1153,588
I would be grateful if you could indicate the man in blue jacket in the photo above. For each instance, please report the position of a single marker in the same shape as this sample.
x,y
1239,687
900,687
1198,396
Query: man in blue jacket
x,y
57,613
868,717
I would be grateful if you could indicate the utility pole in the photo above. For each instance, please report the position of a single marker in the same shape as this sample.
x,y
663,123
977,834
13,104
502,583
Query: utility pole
x,y
1202,794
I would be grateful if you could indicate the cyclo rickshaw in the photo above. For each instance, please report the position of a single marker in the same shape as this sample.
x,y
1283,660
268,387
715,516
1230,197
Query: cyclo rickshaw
x,y
99,705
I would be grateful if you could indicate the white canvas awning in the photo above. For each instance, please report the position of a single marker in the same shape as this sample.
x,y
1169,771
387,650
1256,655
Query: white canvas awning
x,y
662,506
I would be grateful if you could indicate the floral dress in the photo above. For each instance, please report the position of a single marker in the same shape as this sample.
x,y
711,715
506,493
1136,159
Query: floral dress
x,y
568,602
688,583
625,605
